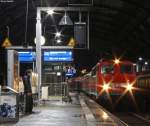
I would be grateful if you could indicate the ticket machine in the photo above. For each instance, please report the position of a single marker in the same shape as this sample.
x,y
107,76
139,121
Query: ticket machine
x,y
12,69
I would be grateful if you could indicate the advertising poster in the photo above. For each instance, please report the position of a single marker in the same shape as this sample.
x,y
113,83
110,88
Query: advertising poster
x,y
8,106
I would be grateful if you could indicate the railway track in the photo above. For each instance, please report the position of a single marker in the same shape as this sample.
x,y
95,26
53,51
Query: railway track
x,y
122,118
132,119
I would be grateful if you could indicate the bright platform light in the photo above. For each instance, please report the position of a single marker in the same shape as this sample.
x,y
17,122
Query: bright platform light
x,y
57,34
50,12
140,58
58,41
42,40
146,63
58,73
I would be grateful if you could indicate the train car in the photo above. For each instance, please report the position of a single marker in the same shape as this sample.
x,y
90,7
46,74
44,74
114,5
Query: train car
x,y
143,82
109,78
142,92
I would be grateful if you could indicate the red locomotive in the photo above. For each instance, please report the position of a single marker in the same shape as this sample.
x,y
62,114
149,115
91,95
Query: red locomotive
x,y
109,78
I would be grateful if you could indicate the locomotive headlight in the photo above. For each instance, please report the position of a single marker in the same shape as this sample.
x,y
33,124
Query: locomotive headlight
x,y
105,86
117,61
129,87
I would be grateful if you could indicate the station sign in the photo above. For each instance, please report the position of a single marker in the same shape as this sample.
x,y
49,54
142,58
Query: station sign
x,y
70,72
48,56
58,56
26,56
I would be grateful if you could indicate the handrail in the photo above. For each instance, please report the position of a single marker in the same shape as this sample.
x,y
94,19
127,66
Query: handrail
x,y
11,89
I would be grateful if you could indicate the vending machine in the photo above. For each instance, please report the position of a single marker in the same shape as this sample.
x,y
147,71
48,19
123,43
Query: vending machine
x,y
13,69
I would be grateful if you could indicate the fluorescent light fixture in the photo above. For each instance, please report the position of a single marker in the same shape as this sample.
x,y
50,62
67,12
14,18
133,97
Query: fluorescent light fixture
x,y
50,12
65,20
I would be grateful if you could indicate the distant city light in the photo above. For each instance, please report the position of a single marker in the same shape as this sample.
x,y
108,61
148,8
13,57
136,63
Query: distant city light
x,y
50,12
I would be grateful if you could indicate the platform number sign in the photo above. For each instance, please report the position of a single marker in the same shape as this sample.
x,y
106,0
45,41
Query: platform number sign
x,y
70,72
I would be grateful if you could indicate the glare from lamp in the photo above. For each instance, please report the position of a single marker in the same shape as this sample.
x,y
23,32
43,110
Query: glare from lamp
x,y
105,116
140,58
50,12
105,87
42,40
58,73
146,63
129,87
117,61
58,41
57,34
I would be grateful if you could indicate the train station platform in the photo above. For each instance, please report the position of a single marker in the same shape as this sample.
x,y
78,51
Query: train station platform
x,y
81,112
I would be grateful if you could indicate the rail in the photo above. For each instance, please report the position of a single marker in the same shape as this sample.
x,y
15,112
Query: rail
x,y
131,119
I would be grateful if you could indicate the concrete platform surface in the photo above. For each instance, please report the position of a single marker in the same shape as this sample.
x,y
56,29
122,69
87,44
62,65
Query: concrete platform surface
x,y
80,112
53,113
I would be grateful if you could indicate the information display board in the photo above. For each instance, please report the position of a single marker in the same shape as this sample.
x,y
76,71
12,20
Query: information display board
x,y
58,56
26,56
49,56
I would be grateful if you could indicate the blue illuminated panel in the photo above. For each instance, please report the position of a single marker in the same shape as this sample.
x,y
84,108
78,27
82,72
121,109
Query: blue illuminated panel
x,y
71,72
58,56
26,56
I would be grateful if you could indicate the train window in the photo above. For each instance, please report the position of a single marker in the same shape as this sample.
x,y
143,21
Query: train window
x,y
107,69
94,71
125,68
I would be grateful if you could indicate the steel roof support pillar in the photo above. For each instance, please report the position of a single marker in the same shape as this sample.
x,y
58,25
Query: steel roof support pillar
x,y
38,49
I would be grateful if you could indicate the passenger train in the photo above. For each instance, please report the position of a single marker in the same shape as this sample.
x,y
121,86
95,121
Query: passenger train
x,y
115,81
108,79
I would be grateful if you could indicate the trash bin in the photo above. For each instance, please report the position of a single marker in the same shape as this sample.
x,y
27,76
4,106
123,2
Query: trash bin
x,y
9,106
